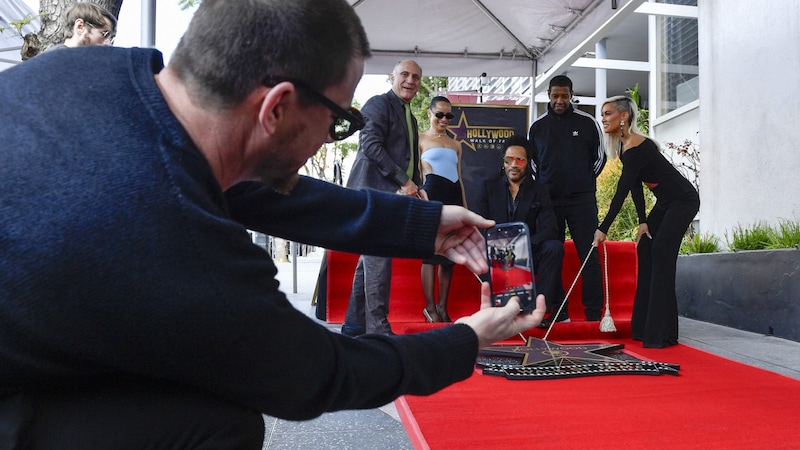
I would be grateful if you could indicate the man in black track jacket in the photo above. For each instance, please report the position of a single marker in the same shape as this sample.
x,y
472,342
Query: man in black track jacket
x,y
570,152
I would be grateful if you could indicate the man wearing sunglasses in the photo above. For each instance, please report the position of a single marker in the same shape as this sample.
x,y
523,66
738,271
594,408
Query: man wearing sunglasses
x,y
388,161
86,23
135,312
515,196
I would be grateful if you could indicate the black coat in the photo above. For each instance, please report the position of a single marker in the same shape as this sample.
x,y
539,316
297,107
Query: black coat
x,y
535,208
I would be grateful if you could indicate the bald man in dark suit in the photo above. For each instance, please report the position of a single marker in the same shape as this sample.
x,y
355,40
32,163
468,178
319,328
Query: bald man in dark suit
x,y
387,160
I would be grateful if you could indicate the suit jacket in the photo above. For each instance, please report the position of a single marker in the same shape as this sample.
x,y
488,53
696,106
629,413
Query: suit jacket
x,y
383,148
535,208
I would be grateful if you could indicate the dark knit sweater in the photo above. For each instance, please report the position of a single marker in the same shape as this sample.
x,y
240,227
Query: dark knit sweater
x,y
121,260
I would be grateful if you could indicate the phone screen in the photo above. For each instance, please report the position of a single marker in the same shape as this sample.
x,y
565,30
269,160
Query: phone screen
x,y
508,250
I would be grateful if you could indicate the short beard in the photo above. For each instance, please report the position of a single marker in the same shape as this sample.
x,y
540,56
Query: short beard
x,y
284,185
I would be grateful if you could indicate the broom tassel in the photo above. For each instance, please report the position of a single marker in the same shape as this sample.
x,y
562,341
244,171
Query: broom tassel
x,y
607,324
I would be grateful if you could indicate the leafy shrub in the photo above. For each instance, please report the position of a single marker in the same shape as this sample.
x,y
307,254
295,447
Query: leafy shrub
x,y
757,236
699,243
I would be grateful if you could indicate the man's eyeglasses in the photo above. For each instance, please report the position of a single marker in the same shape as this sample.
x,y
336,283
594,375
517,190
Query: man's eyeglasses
x,y
347,121
511,159
107,34
440,114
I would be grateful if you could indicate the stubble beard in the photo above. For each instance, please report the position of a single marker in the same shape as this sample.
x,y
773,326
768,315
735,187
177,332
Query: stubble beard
x,y
284,185
282,181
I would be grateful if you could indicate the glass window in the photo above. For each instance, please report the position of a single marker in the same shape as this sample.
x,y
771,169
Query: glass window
x,y
678,60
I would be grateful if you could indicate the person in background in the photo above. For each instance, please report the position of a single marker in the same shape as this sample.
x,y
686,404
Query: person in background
x,y
387,160
655,307
135,310
516,196
570,151
86,23
440,165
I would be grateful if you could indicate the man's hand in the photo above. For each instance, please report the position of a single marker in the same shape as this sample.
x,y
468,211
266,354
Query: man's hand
x,y
410,189
493,324
460,241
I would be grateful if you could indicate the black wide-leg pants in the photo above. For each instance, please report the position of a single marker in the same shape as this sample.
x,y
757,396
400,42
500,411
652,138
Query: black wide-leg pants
x,y
655,307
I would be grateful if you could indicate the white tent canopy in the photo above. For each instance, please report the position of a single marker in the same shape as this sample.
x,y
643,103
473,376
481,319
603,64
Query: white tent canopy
x,y
468,37
505,37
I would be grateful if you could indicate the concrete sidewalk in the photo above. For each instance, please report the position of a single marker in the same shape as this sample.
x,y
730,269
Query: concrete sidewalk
x,y
381,428
359,429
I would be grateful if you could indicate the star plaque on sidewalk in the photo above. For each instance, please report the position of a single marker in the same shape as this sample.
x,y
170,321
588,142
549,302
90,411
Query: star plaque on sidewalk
x,y
547,359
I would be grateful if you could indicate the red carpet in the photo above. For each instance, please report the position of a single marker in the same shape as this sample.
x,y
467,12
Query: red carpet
x,y
713,403
407,301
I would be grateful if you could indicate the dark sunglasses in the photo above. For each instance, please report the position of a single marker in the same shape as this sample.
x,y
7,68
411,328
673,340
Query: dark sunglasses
x,y
511,159
440,114
347,121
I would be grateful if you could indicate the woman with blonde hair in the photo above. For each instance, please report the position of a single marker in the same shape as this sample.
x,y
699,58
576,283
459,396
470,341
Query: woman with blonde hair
x,y
655,308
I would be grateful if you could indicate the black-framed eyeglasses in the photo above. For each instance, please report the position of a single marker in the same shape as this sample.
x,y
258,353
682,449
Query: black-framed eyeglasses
x,y
347,121
440,114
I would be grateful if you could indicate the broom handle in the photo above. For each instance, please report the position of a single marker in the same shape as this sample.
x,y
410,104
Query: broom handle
x,y
605,274
554,316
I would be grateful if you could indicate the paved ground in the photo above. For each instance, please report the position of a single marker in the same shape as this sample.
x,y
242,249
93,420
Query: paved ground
x,y
381,428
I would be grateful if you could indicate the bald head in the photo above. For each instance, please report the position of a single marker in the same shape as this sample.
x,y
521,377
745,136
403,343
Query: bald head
x,y
406,78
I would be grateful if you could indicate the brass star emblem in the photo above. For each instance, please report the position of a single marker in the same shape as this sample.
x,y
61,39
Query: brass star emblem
x,y
538,352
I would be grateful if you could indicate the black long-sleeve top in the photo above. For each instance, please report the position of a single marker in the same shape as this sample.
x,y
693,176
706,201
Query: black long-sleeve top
x,y
645,164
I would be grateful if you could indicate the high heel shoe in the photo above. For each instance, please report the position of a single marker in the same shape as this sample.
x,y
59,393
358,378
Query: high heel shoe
x,y
443,316
428,316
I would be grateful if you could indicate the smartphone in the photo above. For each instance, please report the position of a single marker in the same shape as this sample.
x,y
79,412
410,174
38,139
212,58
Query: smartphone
x,y
508,249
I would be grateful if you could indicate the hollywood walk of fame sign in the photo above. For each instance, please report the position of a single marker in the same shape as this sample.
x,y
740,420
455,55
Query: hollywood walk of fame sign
x,y
545,359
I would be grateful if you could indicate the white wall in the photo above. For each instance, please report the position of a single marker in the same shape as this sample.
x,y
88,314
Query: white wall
x,y
678,126
749,115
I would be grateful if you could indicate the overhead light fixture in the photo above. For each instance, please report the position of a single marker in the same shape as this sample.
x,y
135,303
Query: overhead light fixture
x,y
483,80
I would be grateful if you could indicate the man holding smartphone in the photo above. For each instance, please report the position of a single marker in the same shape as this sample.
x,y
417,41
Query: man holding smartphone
x,y
515,196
